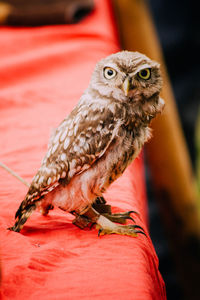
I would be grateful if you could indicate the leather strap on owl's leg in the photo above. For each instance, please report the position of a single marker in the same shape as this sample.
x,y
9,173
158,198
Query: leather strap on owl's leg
x,y
89,217
83,220
101,206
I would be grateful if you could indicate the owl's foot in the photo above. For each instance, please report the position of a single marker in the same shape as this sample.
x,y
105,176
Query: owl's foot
x,y
83,221
104,209
105,226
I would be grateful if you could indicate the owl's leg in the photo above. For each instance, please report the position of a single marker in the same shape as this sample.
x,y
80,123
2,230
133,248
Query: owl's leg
x,y
106,226
45,209
105,209
83,221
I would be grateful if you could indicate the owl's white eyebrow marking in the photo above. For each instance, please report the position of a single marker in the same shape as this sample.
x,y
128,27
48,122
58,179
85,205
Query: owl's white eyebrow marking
x,y
113,66
144,66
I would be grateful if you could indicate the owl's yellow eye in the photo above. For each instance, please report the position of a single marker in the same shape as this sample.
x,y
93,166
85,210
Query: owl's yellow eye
x,y
109,73
145,74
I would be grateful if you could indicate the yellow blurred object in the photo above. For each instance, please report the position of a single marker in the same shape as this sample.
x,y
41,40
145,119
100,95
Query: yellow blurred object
x,y
197,144
5,10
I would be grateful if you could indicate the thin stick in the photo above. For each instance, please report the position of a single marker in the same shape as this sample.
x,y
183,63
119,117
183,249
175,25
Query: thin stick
x,y
14,174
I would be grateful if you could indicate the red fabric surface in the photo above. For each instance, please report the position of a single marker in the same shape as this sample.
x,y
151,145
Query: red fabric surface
x,y
43,72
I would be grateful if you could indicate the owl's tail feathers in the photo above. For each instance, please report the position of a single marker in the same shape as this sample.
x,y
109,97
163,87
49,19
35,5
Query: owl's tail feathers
x,y
22,214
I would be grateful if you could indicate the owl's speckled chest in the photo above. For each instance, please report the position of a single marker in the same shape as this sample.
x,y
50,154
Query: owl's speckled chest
x,y
128,148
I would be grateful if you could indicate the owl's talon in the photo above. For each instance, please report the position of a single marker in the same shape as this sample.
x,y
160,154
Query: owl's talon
x,y
100,232
139,231
137,226
120,217
126,213
130,218
132,212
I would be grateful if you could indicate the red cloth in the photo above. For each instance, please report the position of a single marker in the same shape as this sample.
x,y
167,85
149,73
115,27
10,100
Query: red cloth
x,y
43,72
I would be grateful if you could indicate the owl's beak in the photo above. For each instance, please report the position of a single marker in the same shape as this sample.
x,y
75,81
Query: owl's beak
x,y
126,85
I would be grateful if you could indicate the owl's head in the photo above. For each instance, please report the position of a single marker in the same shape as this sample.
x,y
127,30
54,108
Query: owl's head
x,y
127,75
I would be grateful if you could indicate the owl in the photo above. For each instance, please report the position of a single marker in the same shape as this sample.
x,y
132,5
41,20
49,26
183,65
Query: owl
x,y
96,142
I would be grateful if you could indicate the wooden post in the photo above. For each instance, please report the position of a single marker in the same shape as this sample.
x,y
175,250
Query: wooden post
x,y
167,153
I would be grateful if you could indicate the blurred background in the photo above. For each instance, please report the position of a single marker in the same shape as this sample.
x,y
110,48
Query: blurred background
x,y
177,27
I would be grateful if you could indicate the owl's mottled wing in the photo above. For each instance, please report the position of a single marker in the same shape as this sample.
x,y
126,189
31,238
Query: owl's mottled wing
x,y
81,139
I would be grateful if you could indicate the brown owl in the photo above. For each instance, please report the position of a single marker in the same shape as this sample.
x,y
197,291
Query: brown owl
x,y
97,141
